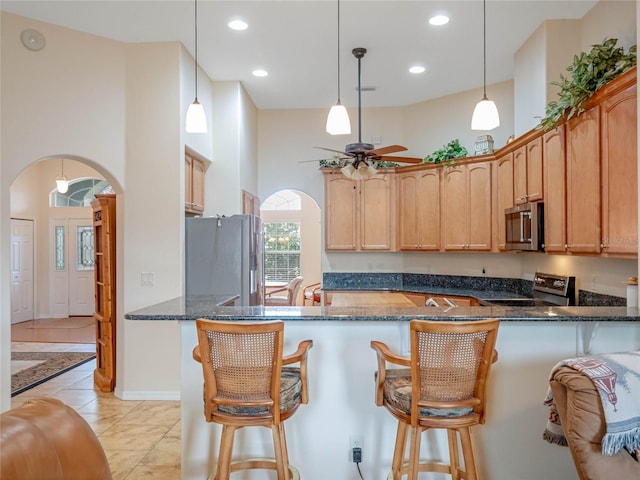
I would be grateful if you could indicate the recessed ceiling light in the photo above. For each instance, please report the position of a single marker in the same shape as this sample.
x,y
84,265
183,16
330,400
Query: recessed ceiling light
x,y
260,73
439,20
237,25
417,69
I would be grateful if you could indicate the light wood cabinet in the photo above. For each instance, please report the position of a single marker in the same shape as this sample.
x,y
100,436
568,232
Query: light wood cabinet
x,y
620,173
504,195
104,224
358,213
527,172
583,182
466,207
419,210
194,171
555,229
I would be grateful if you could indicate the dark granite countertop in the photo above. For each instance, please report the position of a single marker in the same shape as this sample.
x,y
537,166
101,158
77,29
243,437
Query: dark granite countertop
x,y
190,308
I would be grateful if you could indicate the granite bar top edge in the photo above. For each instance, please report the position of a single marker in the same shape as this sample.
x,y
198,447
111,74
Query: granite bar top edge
x,y
186,309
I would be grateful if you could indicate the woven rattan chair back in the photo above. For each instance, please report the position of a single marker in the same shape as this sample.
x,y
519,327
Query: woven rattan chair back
x,y
450,364
243,364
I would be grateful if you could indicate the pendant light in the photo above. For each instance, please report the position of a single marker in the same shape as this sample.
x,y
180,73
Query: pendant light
x,y
338,120
62,183
196,120
485,115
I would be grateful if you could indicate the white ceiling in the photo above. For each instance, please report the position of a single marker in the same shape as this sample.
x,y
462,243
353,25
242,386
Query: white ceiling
x,y
296,41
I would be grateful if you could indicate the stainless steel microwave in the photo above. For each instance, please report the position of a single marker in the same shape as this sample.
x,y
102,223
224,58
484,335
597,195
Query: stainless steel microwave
x,y
524,226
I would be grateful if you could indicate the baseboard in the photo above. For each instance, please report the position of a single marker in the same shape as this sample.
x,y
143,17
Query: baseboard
x,y
147,394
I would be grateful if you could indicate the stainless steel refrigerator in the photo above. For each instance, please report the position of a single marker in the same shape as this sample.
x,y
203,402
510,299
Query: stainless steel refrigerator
x,y
224,255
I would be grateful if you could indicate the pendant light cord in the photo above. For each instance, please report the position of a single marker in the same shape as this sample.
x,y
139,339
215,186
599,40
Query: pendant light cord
x,y
339,52
359,105
196,39
484,46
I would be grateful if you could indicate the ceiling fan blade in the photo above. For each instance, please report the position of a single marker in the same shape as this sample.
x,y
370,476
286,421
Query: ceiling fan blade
x,y
336,151
326,159
389,149
391,158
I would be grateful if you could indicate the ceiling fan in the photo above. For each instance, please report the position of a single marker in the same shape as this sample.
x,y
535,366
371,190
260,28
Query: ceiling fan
x,y
364,154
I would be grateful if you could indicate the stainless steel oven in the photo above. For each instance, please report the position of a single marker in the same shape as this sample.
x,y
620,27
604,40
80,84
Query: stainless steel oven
x,y
524,227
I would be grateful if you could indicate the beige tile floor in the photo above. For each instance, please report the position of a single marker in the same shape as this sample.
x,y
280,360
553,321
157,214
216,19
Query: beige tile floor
x,y
141,438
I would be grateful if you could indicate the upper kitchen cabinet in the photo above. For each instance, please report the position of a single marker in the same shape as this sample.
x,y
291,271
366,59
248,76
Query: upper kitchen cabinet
x,y
583,182
359,213
194,170
466,207
527,172
504,194
619,173
555,210
419,210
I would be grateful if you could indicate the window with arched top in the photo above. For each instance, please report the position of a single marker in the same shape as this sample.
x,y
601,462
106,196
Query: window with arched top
x,y
282,238
81,192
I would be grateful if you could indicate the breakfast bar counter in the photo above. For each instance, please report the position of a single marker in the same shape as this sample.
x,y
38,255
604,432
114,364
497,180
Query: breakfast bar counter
x,y
531,340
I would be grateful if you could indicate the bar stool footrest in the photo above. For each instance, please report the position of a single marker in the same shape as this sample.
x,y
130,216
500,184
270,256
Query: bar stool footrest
x,y
256,464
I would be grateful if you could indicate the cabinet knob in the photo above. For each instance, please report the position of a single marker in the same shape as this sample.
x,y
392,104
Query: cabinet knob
x,y
566,246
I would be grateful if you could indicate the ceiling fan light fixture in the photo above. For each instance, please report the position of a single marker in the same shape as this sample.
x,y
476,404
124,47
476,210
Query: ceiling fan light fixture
x,y
362,172
196,120
485,115
338,122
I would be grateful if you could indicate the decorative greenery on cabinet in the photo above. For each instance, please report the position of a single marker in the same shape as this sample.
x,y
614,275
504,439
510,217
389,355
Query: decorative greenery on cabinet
x,y
588,72
447,154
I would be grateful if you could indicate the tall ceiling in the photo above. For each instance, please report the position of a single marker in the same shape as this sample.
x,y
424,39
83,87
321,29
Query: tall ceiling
x,y
296,42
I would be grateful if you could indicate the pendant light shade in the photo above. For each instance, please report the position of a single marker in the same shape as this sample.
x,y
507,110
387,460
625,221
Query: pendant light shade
x,y
485,115
62,183
196,120
338,122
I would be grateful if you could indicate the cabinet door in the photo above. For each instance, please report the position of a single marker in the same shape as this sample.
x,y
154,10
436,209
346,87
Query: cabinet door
x,y
428,203
555,205
455,209
520,175
188,182
504,194
408,231
197,185
376,204
535,165
419,210
583,182
479,198
619,174
340,212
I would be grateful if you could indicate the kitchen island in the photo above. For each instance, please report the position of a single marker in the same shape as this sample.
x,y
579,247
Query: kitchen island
x,y
341,370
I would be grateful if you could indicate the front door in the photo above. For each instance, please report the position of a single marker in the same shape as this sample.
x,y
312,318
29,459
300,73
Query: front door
x,y
21,270
81,277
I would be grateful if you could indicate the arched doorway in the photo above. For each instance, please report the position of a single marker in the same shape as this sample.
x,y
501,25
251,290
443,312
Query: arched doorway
x,y
293,212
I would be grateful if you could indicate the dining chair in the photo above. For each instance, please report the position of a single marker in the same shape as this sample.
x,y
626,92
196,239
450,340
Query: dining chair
x,y
289,298
311,293
248,382
442,385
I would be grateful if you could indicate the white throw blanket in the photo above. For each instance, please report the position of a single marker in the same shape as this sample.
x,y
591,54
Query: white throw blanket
x,y
617,379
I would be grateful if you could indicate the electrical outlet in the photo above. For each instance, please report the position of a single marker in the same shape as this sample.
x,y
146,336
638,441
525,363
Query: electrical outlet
x,y
355,452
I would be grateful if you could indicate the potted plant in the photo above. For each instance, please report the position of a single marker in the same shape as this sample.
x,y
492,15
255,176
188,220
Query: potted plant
x,y
588,72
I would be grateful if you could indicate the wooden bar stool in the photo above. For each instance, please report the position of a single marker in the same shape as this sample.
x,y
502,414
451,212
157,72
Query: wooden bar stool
x,y
246,385
443,387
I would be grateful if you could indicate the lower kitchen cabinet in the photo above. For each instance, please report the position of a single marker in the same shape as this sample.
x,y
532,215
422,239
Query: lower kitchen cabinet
x,y
466,207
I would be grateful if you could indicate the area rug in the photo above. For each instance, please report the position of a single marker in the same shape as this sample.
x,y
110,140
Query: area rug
x,y
51,364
